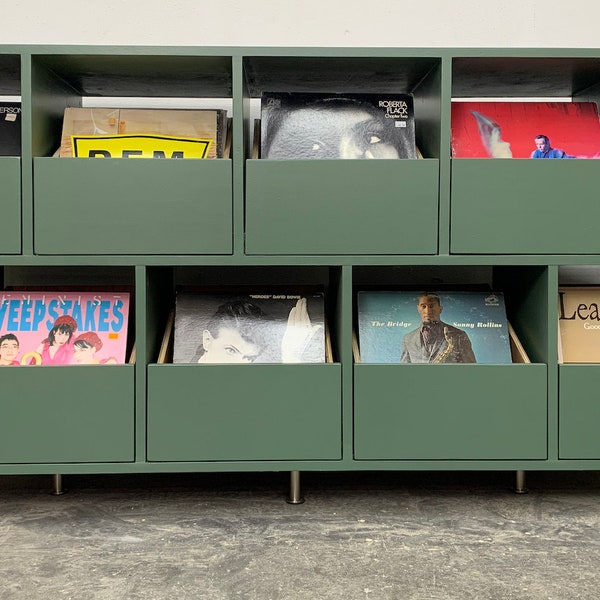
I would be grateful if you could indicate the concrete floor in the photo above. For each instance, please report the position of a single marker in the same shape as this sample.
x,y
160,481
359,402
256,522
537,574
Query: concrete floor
x,y
369,536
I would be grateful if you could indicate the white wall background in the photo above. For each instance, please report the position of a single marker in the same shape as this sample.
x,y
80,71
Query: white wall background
x,y
409,23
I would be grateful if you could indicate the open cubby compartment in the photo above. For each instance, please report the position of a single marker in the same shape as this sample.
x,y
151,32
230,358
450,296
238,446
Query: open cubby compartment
x,y
124,206
578,395
76,414
458,411
10,191
249,412
522,206
335,206
10,166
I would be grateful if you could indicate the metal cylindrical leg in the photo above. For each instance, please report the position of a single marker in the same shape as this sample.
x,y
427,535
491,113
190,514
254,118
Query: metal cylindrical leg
x,y
57,485
295,497
520,487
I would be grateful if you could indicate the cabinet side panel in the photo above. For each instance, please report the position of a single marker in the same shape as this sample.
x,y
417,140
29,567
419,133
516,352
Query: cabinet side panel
x,y
579,411
445,412
132,206
520,206
342,206
72,414
248,412
10,201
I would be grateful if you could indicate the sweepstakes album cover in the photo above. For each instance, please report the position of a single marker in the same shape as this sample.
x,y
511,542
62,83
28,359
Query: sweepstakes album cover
x,y
63,328
433,327
354,126
249,328
579,324
525,130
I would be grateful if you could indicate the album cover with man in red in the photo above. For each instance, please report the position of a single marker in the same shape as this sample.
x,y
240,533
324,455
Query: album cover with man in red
x,y
569,130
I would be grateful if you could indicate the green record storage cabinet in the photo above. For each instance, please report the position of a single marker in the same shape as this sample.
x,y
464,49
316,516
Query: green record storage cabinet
x,y
523,227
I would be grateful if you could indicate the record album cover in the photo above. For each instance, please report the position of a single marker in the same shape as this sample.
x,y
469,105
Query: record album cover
x,y
63,328
433,327
579,324
525,130
354,126
10,129
143,133
249,328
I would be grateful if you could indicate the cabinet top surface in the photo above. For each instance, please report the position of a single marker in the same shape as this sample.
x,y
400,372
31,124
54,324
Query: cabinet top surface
x,y
36,49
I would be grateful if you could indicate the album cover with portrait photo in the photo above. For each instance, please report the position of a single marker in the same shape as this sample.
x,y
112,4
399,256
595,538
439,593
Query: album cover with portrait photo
x,y
238,328
463,326
525,130
337,126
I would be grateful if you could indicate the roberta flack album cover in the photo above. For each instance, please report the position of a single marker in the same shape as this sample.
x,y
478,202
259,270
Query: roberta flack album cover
x,y
249,328
355,126
579,324
433,327
525,130
63,328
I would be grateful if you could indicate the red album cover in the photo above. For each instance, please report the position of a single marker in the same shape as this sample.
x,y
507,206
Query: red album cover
x,y
525,130
63,328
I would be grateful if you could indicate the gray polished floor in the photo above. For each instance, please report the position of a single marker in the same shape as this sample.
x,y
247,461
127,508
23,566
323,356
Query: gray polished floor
x,y
370,536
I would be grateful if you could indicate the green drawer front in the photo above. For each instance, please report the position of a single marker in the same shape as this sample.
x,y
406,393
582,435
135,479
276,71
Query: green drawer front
x,y
10,205
520,206
579,410
450,412
244,412
342,206
67,414
132,206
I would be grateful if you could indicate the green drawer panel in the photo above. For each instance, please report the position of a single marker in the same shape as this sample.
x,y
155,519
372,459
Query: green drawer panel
x,y
74,414
244,412
579,410
521,206
10,205
450,412
132,206
342,206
